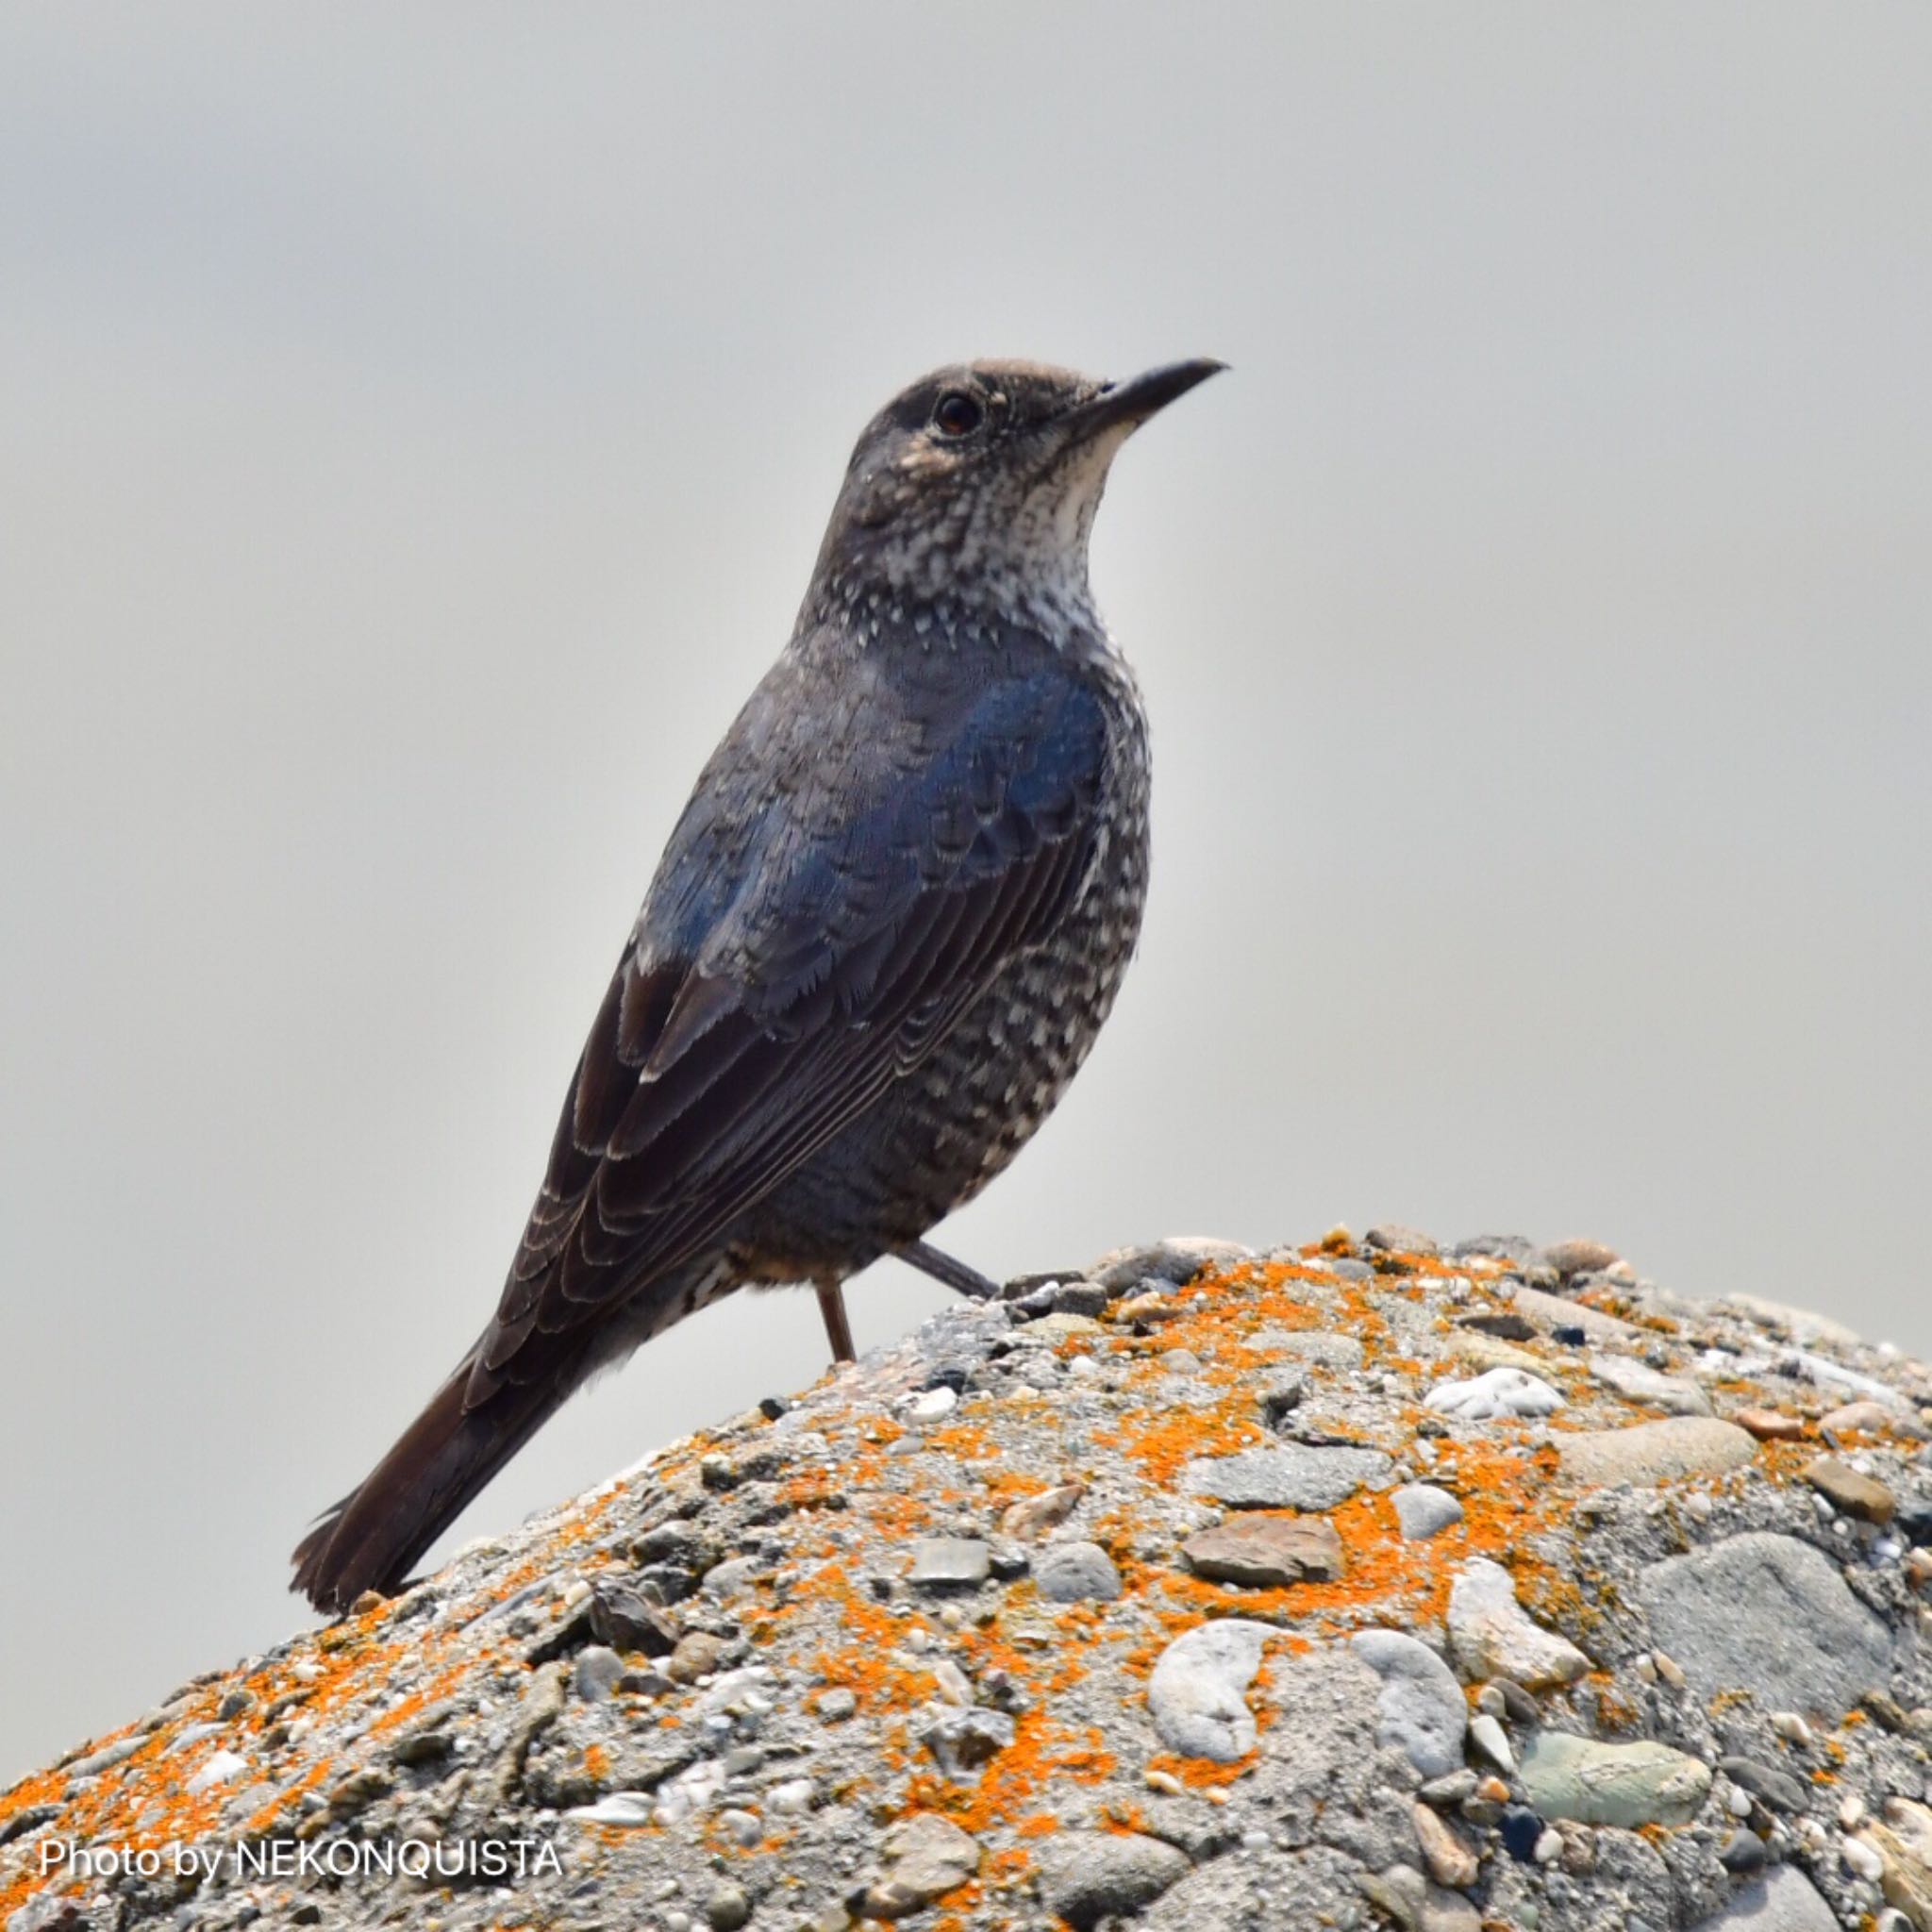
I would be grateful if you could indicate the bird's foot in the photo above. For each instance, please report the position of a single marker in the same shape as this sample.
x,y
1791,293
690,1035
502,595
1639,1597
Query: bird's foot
x,y
956,1275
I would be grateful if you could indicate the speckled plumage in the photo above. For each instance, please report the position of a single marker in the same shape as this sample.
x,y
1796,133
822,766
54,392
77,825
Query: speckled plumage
x,y
882,937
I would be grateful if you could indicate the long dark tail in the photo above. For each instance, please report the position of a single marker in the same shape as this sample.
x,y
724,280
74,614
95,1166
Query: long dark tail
x,y
370,1540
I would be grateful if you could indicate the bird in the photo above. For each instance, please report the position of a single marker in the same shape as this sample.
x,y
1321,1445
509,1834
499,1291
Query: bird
x,y
884,934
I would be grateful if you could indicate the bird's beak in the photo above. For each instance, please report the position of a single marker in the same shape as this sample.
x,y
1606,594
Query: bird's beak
x,y
1129,404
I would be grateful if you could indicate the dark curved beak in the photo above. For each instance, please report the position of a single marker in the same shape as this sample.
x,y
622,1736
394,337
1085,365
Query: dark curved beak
x,y
1141,397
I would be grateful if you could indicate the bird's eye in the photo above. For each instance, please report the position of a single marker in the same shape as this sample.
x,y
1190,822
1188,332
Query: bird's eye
x,y
955,413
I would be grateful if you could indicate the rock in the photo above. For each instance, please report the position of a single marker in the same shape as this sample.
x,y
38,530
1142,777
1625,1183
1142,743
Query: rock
x,y
1489,1736
1034,1515
1769,1424
1904,1846
1322,1346
625,1809
728,1909
1421,1709
1744,1852
941,1560
963,1741
596,1673
1490,1634
1627,1785
1799,1323
1652,1453
1770,1615
1869,1418
698,1653
1266,1552
1088,1876
1411,1902
1392,1238
1862,1496
1076,1572
1784,1899
626,1619
1174,1261
724,1580
1639,1382
926,1857
815,1700
1292,1477
932,1405
1399,1891
1577,1257
1281,1395
1448,1860
1776,1790
1553,1311
1495,1393
1196,1692
1423,1510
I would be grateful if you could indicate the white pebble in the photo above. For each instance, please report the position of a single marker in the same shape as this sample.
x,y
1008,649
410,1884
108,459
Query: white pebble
x,y
792,1797
1549,1847
932,1405
952,1682
742,1825
1862,1859
1791,1727
1494,1394
1486,1733
1851,1811
1741,1803
218,1770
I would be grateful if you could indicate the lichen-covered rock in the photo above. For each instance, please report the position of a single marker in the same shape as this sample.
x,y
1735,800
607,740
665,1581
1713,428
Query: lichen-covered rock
x,y
1128,1599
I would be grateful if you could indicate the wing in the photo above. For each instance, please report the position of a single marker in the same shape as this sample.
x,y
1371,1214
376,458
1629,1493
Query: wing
x,y
782,977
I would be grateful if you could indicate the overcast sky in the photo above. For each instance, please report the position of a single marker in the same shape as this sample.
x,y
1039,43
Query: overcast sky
x,y
416,427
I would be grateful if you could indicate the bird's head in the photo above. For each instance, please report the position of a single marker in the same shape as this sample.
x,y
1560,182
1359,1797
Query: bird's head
x,y
979,482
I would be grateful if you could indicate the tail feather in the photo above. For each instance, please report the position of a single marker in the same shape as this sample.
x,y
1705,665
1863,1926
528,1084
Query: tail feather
x,y
370,1540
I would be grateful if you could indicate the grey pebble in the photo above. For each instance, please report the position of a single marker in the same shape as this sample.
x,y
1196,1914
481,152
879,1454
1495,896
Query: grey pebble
x,y
1196,1691
1076,1572
1292,1476
596,1672
1776,1789
728,1909
1086,1876
1770,1615
1784,1899
1421,1708
1423,1510
950,1560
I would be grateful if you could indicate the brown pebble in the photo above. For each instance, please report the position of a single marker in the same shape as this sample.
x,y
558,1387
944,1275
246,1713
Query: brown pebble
x,y
1263,1552
1769,1424
697,1654
1028,1517
1450,1862
1862,1496
1579,1257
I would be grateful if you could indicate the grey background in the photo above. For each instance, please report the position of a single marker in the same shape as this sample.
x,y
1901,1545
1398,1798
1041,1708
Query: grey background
x,y
418,426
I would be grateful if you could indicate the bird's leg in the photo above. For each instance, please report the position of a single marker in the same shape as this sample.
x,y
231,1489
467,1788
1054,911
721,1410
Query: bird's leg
x,y
838,1324
956,1275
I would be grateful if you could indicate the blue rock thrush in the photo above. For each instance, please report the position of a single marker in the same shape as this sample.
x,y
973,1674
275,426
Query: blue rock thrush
x,y
882,939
